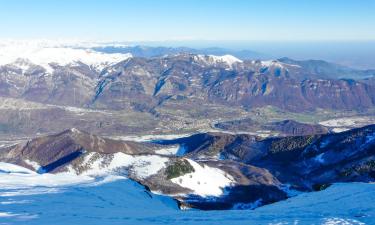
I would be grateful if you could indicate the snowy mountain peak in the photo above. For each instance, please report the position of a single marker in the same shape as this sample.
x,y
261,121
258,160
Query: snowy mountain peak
x,y
23,56
272,63
228,59
213,59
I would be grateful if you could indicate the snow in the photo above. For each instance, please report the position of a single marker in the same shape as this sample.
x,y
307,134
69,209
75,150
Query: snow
x,y
319,158
35,165
214,59
269,63
260,133
204,181
340,221
14,202
142,166
151,137
347,121
111,203
5,214
228,59
173,150
81,111
15,177
339,129
126,202
11,168
272,63
24,53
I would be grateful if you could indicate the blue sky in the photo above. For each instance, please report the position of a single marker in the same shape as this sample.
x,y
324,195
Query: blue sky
x,y
124,20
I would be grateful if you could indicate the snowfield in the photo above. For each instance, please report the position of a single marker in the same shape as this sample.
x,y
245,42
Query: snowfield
x,y
205,181
214,59
151,137
228,59
346,123
126,202
15,177
142,166
173,150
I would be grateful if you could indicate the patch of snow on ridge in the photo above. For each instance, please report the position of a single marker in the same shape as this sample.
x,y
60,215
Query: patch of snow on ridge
x,y
213,59
269,63
147,138
33,164
205,180
339,129
173,150
44,55
228,59
141,166
348,121
272,63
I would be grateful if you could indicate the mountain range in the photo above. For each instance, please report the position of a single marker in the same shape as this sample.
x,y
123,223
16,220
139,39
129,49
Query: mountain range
x,y
243,132
86,78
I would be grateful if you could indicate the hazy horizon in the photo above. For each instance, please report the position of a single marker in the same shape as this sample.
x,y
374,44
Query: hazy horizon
x,y
355,54
337,31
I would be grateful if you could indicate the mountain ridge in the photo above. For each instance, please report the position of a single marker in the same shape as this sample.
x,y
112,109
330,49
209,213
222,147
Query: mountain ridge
x,y
238,164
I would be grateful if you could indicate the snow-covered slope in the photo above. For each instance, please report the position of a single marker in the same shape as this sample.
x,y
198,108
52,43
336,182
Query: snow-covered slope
x,y
229,60
346,123
13,177
205,180
141,166
126,202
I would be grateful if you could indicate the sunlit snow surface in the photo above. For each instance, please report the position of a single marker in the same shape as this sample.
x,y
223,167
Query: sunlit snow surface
x,y
58,199
205,180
